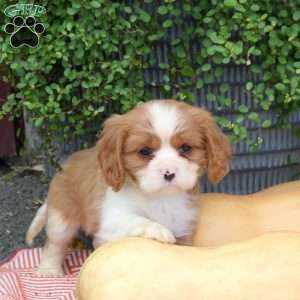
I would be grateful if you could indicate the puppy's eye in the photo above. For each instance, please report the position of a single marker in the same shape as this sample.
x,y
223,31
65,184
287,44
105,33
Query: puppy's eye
x,y
146,151
185,148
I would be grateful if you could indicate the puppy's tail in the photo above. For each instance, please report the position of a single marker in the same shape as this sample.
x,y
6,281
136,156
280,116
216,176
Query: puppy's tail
x,y
37,224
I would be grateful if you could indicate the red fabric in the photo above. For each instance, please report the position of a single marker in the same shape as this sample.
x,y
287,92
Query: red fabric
x,y
18,280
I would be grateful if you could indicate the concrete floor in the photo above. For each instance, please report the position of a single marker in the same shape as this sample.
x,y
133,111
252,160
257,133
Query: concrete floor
x,y
21,193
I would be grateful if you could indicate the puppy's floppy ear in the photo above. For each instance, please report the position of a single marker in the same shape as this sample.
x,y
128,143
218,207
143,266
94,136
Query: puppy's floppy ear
x,y
110,146
217,145
218,149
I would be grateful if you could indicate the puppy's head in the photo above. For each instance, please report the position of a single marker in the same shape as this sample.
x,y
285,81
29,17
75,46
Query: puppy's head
x,y
163,147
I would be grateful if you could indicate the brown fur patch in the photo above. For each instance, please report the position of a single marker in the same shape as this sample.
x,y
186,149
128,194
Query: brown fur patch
x,y
110,150
217,145
76,190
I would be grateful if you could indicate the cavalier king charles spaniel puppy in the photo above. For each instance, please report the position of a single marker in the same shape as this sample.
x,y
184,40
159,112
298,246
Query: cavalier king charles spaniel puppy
x,y
139,180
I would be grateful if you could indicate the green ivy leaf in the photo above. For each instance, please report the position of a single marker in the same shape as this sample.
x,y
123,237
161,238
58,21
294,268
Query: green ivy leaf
x,y
211,50
280,86
237,48
249,86
162,10
38,122
218,39
223,122
211,97
180,52
240,119
266,124
133,18
144,16
224,88
230,3
296,15
208,78
72,10
167,24
254,7
155,37
95,4
187,71
226,60
167,87
218,72
206,67
243,108
254,117
166,78
207,20
297,64
199,84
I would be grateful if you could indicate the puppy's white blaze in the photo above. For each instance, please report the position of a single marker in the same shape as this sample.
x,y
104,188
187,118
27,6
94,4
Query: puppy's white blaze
x,y
166,158
165,120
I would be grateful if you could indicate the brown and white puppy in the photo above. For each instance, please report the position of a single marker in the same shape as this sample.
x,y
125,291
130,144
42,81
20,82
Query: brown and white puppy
x,y
137,181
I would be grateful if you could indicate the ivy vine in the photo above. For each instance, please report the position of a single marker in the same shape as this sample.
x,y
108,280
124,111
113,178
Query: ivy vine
x,y
94,55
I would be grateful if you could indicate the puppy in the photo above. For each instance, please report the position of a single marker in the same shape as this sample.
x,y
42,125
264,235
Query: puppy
x,y
230,218
137,181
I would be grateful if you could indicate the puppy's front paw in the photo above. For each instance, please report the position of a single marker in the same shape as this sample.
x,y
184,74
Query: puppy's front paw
x,y
46,270
155,231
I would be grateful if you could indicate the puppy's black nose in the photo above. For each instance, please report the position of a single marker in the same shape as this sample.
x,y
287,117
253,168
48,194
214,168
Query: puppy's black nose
x,y
169,176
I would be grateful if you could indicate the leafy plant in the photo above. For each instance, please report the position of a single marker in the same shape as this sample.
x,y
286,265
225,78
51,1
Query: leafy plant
x,y
93,57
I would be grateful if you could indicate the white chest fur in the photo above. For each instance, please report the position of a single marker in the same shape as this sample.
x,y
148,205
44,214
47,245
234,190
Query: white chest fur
x,y
175,212
121,209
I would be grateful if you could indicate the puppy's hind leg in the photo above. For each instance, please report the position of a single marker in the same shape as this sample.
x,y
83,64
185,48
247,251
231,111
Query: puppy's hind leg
x,y
59,234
